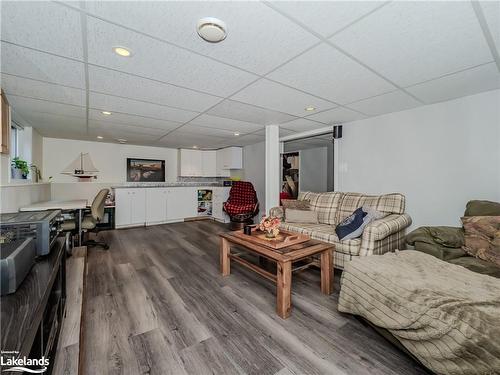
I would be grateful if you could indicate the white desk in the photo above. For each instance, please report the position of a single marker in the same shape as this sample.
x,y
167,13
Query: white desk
x,y
75,205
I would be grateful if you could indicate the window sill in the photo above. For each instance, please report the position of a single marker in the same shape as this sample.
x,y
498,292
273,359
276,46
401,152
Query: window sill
x,y
18,183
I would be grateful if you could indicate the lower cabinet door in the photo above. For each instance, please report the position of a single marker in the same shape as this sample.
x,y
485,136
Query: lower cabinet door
x,y
156,205
122,207
138,206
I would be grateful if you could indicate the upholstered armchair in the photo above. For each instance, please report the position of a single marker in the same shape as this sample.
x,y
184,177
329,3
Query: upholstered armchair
x,y
242,204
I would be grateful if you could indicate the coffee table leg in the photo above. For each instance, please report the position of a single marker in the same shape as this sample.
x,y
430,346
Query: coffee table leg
x,y
284,289
326,272
225,250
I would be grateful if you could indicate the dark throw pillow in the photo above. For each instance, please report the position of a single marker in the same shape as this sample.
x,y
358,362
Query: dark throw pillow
x,y
350,223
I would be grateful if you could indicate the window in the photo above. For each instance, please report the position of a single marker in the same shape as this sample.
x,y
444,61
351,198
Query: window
x,y
14,142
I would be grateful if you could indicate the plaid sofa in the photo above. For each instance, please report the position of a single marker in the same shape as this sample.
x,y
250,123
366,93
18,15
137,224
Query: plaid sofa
x,y
380,236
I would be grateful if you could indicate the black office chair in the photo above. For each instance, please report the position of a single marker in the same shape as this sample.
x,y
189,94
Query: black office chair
x,y
90,221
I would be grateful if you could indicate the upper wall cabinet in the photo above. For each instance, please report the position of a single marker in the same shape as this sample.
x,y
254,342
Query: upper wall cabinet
x,y
230,158
5,125
190,164
196,163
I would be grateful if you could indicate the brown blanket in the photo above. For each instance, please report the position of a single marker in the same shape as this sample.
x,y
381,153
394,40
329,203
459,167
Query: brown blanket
x,y
446,315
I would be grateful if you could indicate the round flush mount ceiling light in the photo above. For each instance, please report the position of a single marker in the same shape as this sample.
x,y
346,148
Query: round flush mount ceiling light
x,y
310,108
212,29
236,134
122,51
106,113
100,137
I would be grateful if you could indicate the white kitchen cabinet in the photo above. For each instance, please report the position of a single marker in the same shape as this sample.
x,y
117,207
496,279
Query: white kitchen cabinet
x,y
181,203
156,205
190,163
130,207
229,158
209,163
220,195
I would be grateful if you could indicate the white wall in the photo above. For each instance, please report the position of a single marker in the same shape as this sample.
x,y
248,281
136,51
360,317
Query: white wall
x,y
13,197
440,156
313,170
254,164
110,159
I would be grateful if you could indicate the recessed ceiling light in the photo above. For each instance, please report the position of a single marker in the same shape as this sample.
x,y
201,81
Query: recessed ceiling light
x,y
236,134
122,51
195,146
121,140
310,109
106,113
100,137
212,29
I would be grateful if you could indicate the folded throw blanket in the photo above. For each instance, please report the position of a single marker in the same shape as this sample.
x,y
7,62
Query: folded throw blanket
x,y
444,314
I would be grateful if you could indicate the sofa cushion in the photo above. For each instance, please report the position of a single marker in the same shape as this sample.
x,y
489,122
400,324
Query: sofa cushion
x,y
295,204
388,204
301,216
477,265
326,233
325,204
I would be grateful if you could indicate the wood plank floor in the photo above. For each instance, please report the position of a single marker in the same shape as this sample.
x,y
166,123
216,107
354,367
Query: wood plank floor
x,y
157,304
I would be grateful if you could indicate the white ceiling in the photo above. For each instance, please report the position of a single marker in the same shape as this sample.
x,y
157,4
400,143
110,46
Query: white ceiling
x,y
350,60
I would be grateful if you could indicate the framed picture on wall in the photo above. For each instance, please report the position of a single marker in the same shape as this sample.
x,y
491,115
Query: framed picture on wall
x,y
145,170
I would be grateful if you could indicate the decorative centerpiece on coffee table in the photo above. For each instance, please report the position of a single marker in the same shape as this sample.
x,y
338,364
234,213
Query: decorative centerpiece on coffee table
x,y
270,225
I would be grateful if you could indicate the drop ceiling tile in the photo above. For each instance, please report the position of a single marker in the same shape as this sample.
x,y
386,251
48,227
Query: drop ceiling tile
x,y
128,106
22,105
127,133
43,25
200,130
137,121
41,90
245,112
246,140
250,24
161,61
121,84
335,76
491,11
471,81
337,115
271,95
283,132
326,17
226,124
386,103
111,127
66,125
28,63
301,125
179,139
411,42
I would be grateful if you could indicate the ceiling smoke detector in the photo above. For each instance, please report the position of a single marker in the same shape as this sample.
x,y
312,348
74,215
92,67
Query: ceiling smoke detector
x,y
212,29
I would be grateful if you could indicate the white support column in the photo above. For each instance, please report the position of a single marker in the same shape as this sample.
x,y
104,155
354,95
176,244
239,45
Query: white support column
x,y
272,166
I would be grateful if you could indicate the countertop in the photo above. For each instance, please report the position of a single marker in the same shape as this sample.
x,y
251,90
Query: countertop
x,y
169,184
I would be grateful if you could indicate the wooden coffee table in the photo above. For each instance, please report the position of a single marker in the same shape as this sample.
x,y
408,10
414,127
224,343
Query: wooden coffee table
x,y
284,259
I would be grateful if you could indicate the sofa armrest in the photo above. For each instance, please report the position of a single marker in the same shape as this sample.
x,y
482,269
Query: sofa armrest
x,y
382,228
440,241
277,212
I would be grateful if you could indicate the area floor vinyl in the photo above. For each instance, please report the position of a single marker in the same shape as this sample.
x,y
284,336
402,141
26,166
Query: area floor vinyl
x,y
157,304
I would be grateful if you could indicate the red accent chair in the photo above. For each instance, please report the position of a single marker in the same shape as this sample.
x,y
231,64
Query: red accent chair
x,y
242,204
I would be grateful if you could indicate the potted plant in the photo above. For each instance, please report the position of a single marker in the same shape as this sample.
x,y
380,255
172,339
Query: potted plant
x,y
20,168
